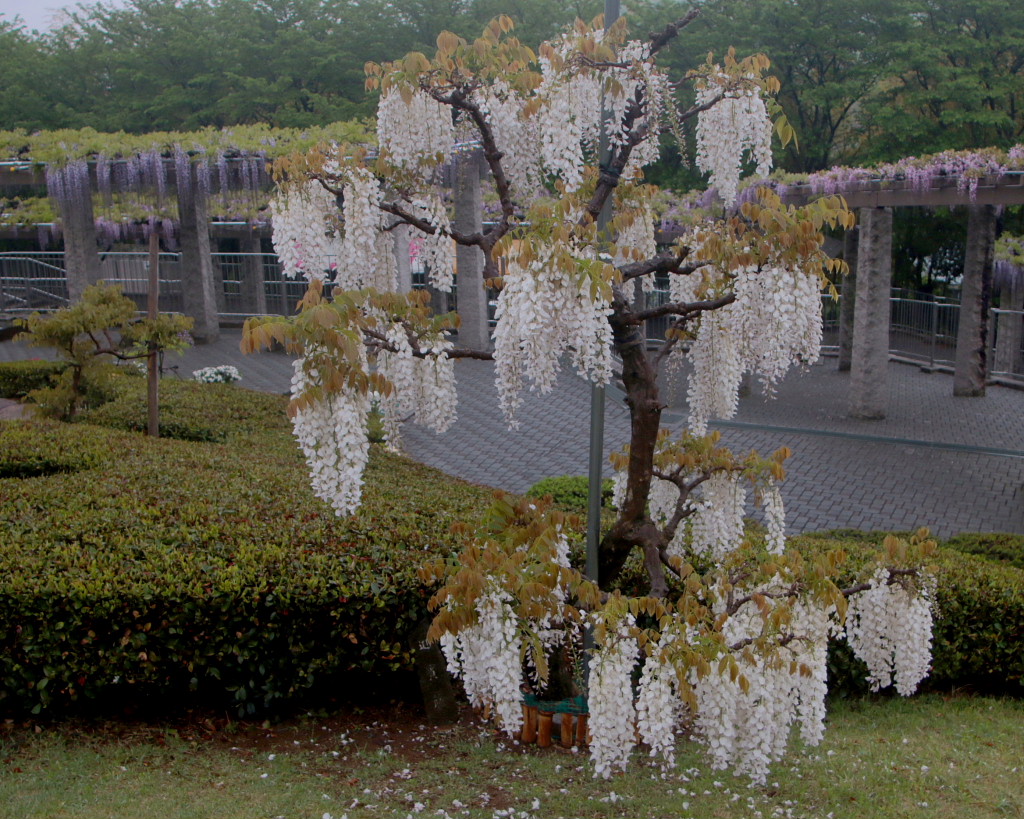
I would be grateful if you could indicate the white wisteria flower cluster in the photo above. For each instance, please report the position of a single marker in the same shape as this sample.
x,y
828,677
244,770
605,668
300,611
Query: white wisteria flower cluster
x,y
737,123
221,374
424,386
773,324
332,434
305,238
610,699
487,657
544,312
367,254
889,627
416,130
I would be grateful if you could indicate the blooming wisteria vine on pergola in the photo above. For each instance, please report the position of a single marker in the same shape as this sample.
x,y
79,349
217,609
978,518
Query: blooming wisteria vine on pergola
x,y
732,629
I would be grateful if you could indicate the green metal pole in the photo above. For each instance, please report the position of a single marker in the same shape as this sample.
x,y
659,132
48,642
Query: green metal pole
x,y
611,14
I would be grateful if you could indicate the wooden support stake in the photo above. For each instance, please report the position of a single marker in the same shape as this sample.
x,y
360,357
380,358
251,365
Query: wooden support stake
x,y
581,730
529,735
152,306
568,729
544,730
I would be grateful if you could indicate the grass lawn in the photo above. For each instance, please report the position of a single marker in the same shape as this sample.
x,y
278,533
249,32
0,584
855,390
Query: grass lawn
x,y
930,756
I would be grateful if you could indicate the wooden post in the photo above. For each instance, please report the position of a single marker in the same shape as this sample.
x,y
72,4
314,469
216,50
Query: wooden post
x,y
152,307
544,729
529,735
568,730
582,734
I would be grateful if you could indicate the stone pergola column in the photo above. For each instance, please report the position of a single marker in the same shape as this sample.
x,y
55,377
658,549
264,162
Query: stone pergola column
x,y
254,293
197,280
474,331
971,367
81,255
869,387
847,299
403,263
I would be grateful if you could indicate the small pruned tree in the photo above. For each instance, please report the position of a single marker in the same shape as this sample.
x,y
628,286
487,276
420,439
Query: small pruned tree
x,y
730,630
102,327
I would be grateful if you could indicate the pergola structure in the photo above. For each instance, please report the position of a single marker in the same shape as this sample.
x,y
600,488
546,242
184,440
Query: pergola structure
x,y
864,319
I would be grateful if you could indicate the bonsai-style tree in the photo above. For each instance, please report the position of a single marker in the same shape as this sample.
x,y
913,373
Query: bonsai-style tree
x,y
101,327
731,629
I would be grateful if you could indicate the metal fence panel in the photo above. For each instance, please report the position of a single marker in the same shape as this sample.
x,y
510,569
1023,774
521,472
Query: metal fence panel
x,y
921,328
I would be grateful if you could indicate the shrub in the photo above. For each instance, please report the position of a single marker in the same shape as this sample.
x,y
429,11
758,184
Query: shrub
x,y
569,491
97,329
209,574
192,411
979,621
19,378
32,449
1000,546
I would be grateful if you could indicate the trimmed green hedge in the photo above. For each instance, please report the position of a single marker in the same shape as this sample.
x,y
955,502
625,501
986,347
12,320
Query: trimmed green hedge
x,y
190,411
28,450
979,624
1000,546
571,492
183,573
19,378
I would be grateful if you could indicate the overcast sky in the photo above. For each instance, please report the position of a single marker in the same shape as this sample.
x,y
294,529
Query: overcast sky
x,y
37,14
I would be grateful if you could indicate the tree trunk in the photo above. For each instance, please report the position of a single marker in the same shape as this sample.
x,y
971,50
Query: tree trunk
x,y
634,527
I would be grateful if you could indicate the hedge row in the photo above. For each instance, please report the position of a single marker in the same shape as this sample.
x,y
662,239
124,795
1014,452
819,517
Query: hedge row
x,y
979,626
166,571
19,378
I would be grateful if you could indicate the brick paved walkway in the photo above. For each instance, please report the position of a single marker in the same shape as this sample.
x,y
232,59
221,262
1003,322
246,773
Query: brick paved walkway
x,y
954,464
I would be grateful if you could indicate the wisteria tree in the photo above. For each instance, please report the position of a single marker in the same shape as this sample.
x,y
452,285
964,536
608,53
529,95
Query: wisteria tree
x,y
731,630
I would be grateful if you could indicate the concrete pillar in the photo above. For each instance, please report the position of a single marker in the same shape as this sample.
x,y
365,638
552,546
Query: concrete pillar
x,y
971,367
869,387
254,291
81,255
1010,327
400,235
198,289
847,299
474,331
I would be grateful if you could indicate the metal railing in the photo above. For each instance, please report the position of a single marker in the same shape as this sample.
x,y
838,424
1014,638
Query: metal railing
x,y
921,328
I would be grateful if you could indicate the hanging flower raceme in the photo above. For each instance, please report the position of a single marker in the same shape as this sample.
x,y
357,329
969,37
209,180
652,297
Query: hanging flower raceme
x,y
487,657
424,384
545,311
413,128
610,698
747,703
331,429
889,627
738,122
516,134
367,250
305,230
436,251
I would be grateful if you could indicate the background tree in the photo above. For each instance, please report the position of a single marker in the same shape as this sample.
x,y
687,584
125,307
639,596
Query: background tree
x,y
957,80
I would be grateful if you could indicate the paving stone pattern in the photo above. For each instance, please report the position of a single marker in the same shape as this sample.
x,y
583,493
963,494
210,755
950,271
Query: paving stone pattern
x,y
930,462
